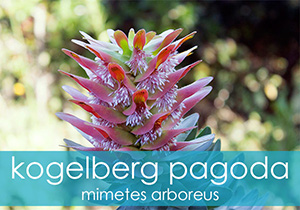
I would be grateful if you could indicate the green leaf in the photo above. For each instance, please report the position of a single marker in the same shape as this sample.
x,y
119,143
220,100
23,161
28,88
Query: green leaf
x,y
189,121
192,135
204,131
216,146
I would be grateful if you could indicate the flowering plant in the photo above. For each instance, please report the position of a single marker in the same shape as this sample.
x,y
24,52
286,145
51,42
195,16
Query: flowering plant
x,y
134,100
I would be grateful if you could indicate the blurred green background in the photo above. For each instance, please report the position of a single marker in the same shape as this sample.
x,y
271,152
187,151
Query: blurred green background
x,y
250,48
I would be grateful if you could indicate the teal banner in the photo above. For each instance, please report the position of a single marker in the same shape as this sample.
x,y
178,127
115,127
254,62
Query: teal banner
x,y
149,178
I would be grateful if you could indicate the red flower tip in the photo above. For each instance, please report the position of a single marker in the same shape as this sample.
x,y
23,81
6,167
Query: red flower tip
x,y
140,96
140,39
158,122
116,72
95,52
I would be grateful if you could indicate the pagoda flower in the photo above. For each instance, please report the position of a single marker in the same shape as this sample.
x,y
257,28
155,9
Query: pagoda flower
x,y
133,97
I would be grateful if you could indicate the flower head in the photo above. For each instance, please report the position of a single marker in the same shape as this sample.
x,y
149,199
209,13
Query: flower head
x,y
134,100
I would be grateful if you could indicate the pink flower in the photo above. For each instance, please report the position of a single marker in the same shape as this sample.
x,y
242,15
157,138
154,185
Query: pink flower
x,y
134,100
